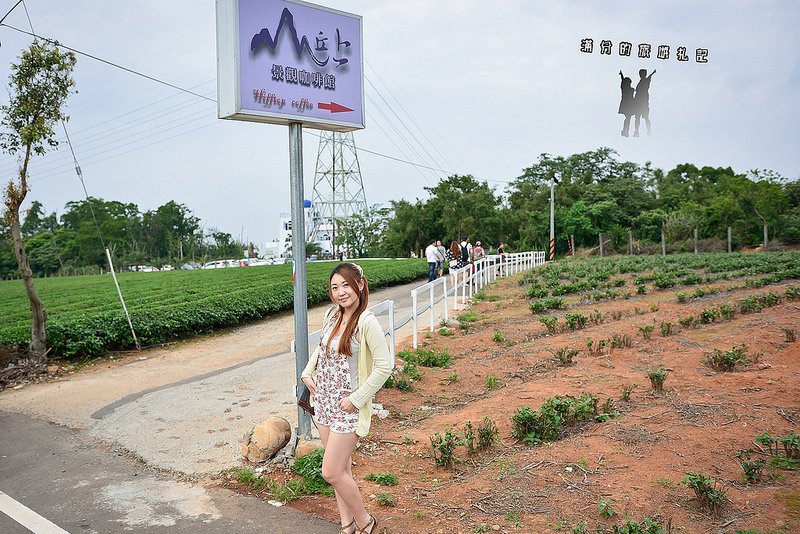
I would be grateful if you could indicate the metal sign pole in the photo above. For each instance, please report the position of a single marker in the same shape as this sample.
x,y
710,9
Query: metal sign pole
x,y
299,266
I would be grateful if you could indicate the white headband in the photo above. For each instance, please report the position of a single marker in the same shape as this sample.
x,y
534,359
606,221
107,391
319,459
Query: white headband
x,y
360,270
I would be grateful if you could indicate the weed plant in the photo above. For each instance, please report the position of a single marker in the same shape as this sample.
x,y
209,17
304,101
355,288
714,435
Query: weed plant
x,y
575,321
711,497
627,391
551,323
384,479
595,348
606,509
621,341
538,306
565,355
657,378
544,424
646,331
426,357
490,382
488,433
726,360
444,445
752,470
666,328
385,499
709,315
466,319
790,336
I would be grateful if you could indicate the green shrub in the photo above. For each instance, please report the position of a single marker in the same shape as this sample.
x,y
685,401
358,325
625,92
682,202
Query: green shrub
x,y
426,358
752,470
444,445
551,323
657,378
545,424
705,489
727,360
575,320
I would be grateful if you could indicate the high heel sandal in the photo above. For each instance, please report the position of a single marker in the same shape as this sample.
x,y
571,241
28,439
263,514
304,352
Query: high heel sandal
x,y
350,524
373,522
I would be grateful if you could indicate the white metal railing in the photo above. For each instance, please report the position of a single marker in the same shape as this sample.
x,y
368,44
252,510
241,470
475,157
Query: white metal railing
x,y
468,280
471,278
430,287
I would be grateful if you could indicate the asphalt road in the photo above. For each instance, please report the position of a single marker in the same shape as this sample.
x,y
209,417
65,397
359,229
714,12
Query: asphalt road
x,y
61,474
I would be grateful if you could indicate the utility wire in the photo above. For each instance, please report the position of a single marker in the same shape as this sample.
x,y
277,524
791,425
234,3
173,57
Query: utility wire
x,y
435,167
101,60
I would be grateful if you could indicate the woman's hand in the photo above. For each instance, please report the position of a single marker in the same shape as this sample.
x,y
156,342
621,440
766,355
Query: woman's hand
x,y
312,387
347,406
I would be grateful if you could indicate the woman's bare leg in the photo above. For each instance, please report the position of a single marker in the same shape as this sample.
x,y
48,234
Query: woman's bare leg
x,y
337,470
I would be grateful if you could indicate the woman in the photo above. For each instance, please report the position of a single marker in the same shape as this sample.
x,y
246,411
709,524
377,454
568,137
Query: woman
x,y
453,260
350,365
626,103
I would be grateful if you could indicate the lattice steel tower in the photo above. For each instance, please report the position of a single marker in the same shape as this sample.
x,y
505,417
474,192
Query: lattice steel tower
x,y
338,187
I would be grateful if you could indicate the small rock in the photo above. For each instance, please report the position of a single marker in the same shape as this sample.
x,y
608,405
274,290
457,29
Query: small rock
x,y
266,439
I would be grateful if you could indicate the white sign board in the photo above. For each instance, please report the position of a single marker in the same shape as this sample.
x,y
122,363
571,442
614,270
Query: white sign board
x,y
282,61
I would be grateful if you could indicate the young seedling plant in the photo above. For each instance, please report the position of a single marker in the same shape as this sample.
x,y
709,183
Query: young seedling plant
x,y
657,378
711,497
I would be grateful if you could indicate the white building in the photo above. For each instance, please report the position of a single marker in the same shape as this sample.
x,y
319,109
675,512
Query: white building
x,y
323,234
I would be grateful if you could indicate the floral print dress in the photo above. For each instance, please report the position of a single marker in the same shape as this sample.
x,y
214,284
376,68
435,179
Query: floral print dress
x,y
337,377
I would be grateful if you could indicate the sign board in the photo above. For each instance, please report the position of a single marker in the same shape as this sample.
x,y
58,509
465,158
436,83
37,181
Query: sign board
x,y
283,61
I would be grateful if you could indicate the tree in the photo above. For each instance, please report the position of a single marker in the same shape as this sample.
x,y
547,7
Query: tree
x,y
39,85
362,233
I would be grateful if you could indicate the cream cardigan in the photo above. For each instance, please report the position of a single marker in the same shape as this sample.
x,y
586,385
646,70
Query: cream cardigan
x,y
374,366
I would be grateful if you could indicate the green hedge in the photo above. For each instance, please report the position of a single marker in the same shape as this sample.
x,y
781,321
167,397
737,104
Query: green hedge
x,y
85,317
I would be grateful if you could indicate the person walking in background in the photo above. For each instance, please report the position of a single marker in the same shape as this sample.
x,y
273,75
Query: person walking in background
x,y
626,104
641,101
466,251
351,363
433,257
442,253
478,253
501,251
452,261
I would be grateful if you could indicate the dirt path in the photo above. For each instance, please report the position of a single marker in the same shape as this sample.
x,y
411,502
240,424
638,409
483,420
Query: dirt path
x,y
183,407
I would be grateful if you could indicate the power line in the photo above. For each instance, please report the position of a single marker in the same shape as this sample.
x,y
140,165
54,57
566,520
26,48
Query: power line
x,y
137,73
434,167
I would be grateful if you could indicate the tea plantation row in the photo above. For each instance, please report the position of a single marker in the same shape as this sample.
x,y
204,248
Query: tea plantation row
x,y
85,316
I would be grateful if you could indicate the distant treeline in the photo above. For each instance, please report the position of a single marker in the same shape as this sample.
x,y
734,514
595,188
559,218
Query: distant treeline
x,y
594,193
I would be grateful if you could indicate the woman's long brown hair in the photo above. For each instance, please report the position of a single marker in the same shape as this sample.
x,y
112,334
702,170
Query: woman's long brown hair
x,y
352,274
454,249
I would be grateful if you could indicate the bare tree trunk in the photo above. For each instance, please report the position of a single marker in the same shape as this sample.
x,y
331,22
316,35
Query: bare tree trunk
x,y
14,198
39,315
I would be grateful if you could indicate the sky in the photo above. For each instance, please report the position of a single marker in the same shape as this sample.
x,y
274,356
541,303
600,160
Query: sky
x,y
451,87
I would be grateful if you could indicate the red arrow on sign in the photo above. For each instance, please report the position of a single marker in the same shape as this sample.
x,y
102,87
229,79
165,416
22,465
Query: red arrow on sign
x,y
333,107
